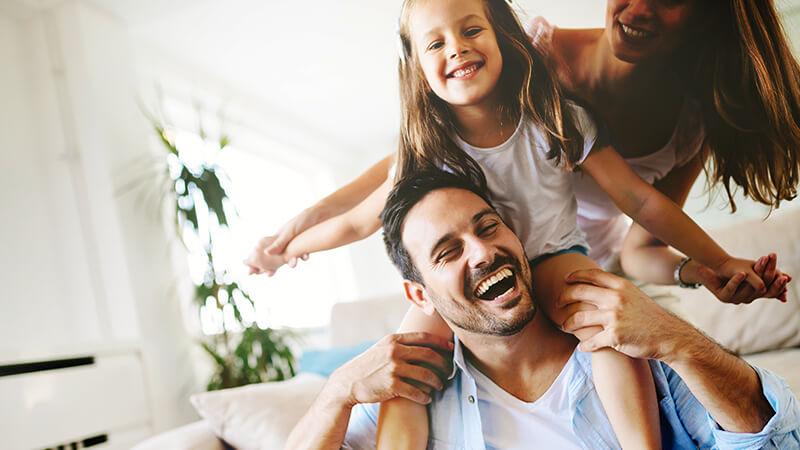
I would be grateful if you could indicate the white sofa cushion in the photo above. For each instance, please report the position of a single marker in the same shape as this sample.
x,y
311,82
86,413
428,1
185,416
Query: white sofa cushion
x,y
785,363
766,324
195,436
258,416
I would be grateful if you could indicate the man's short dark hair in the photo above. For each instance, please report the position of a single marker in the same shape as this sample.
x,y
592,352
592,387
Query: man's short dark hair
x,y
407,193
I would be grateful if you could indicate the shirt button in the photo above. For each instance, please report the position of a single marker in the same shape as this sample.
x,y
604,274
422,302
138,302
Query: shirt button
x,y
471,399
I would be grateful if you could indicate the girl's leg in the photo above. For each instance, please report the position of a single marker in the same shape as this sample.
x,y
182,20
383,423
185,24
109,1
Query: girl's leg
x,y
403,424
625,385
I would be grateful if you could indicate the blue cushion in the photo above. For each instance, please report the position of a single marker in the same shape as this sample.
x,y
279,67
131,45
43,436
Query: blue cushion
x,y
325,361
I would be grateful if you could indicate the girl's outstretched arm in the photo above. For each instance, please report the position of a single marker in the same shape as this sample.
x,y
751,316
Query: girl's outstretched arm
x,y
662,217
354,225
343,199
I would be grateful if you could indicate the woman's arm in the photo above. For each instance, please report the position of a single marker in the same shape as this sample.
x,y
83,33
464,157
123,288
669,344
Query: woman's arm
x,y
662,217
646,258
333,205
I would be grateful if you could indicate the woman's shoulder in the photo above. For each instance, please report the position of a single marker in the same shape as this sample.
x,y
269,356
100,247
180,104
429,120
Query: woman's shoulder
x,y
551,38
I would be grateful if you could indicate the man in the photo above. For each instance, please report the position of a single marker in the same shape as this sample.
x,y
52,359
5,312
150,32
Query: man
x,y
517,381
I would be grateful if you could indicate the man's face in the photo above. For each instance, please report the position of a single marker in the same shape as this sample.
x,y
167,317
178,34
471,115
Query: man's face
x,y
472,265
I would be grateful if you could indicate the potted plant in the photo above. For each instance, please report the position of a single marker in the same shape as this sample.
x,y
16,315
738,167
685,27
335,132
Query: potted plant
x,y
242,352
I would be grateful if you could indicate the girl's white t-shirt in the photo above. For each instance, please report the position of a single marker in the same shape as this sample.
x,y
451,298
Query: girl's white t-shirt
x,y
532,193
604,224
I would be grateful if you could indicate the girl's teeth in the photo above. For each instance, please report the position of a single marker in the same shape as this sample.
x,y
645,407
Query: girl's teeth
x,y
464,72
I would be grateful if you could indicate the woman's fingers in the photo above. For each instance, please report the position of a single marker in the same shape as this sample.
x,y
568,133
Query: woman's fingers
x,y
728,291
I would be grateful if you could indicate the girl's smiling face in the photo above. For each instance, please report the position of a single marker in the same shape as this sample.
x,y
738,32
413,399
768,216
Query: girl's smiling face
x,y
457,49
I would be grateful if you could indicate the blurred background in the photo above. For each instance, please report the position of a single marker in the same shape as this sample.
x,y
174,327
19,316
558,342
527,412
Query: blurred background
x,y
121,255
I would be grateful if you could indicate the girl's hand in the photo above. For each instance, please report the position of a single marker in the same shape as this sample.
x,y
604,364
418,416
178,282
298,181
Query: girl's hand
x,y
260,261
735,290
303,221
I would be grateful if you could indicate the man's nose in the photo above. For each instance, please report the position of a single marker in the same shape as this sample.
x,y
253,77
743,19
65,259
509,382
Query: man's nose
x,y
479,253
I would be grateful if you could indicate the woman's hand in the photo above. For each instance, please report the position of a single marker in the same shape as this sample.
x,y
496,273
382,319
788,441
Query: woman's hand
x,y
735,289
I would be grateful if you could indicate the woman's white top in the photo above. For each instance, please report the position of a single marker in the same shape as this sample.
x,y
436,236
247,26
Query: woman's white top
x,y
604,224
532,193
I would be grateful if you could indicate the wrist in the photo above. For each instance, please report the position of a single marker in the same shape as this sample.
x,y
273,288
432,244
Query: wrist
x,y
715,263
690,273
339,392
686,345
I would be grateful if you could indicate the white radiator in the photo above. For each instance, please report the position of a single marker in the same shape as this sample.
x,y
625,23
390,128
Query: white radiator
x,y
85,401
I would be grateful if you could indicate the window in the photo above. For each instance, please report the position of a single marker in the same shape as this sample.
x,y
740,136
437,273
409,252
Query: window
x,y
268,183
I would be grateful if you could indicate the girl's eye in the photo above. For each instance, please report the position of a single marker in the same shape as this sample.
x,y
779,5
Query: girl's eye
x,y
435,45
472,32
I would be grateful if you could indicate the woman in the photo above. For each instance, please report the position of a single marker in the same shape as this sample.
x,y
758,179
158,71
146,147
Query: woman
x,y
679,85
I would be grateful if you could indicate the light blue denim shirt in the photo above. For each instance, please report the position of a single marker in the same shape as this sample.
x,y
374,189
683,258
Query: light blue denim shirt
x,y
456,422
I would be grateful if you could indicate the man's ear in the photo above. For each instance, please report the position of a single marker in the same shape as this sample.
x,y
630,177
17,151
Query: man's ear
x,y
416,294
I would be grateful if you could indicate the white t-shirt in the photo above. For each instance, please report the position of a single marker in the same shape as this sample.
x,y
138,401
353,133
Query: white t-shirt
x,y
604,224
532,193
509,423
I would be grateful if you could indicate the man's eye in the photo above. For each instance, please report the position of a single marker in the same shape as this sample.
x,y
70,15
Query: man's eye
x,y
488,230
473,31
447,254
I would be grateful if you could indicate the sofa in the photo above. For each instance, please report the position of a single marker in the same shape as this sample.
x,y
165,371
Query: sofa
x,y
766,333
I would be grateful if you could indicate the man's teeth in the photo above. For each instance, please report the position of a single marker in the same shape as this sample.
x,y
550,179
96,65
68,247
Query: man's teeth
x,y
489,282
634,33
465,71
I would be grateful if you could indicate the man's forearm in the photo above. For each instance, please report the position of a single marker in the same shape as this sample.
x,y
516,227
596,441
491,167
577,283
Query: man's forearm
x,y
324,426
727,387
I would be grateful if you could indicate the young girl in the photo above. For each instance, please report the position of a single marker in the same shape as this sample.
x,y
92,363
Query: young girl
x,y
479,100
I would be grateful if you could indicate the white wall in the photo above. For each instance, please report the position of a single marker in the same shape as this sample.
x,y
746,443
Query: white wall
x,y
84,269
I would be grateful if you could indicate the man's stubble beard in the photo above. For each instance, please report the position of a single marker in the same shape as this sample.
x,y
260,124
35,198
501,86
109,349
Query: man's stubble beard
x,y
477,320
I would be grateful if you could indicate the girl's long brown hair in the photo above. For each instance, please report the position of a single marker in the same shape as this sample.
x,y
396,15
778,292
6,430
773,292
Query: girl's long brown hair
x,y
748,83
528,89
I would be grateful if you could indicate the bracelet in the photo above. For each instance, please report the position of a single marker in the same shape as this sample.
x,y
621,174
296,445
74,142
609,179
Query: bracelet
x,y
677,275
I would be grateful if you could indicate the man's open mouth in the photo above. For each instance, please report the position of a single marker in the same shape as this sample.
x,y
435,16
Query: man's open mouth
x,y
496,285
465,70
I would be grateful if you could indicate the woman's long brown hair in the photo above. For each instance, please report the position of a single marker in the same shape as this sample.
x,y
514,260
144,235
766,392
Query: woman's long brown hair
x,y
527,86
748,83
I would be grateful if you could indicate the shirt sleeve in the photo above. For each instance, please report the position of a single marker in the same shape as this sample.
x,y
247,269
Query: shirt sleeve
x,y
783,429
540,32
587,127
363,428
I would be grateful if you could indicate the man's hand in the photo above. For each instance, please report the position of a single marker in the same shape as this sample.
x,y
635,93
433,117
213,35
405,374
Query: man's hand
x,y
409,365
632,322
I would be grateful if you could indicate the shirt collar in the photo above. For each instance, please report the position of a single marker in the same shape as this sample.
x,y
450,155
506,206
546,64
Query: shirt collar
x,y
458,358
